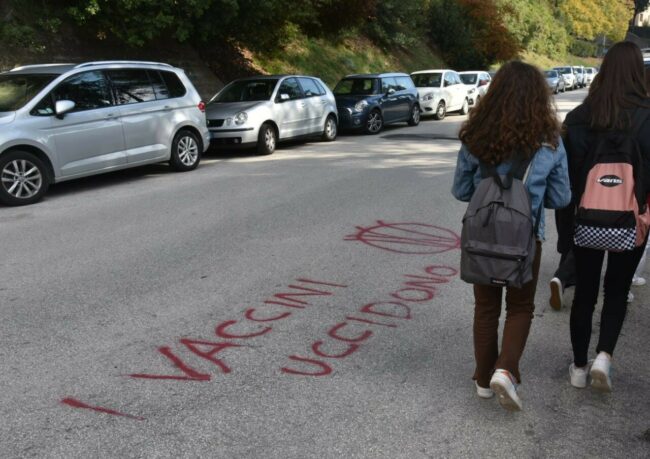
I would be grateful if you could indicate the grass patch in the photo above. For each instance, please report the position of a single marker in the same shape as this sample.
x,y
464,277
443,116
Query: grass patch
x,y
544,62
331,61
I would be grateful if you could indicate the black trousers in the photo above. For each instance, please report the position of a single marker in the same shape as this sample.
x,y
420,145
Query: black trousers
x,y
565,222
618,278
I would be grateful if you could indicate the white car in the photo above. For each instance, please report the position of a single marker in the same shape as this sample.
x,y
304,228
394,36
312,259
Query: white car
x,y
441,92
477,84
590,74
570,78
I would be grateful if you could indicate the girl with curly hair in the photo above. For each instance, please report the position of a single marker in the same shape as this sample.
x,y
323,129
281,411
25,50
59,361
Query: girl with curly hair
x,y
515,122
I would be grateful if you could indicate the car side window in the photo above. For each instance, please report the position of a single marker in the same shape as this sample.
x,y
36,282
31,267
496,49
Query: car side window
x,y
291,88
388,83
405,83
309,87
131,86
158,84
174,85
321,88
88,91
457,79
449,79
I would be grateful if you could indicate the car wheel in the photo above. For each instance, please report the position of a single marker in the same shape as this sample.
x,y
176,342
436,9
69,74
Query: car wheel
x,y
375,122
186,151
441,111
563,88
267,140
465,108
414,120
330,131
23,178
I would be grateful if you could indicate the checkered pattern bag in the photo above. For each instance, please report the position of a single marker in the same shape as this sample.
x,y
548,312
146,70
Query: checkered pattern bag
x,y
617,239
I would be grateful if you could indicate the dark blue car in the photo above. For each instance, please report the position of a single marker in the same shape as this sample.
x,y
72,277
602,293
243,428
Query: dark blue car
x,y
368,102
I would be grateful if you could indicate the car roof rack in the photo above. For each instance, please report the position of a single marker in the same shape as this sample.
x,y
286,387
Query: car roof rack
x,y
89,64
32,66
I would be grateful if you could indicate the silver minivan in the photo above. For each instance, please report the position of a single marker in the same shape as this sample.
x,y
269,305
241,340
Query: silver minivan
x,y
64,121
261,111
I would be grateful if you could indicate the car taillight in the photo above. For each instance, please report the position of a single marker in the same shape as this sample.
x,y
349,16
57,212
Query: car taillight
x,y
202,106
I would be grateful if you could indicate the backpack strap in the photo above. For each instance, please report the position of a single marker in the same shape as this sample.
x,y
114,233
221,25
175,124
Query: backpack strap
x,y
519,170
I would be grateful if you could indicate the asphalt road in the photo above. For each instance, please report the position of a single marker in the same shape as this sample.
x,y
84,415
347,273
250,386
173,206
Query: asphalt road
x,y
163,297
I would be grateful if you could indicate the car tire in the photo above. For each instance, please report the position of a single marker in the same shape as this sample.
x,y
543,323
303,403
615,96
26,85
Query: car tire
x,y
24,178
267,140
414,120
465,108
441,111
375,122
557,89
330,130
563,89
186,151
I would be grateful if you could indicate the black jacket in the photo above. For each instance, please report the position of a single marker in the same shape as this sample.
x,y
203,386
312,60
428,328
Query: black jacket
x,y
580,140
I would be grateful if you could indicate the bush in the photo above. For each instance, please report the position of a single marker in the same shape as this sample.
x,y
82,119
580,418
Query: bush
x,y
583,48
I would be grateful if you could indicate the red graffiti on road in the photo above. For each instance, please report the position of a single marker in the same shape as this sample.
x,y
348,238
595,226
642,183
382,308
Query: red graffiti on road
x,y
74,403
297,296
347,337
407,238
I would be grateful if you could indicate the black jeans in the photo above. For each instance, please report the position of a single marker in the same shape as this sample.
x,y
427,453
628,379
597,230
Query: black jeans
x,y
565,222
618,278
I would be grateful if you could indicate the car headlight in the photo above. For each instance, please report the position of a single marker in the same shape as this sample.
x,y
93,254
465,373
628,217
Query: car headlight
x,y
241,118
427,97
360,106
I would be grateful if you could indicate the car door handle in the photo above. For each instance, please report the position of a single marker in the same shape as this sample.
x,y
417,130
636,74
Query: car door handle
x,y
167,107
111,116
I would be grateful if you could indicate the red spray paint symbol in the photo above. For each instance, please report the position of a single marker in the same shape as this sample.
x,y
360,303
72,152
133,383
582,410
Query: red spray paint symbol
x,y
407,238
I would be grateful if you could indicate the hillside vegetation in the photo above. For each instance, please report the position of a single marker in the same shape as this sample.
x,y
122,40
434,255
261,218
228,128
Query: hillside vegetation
x,y
328,38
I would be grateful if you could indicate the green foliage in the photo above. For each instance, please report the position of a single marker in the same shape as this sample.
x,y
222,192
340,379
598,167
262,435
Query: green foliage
x,y
398,22
535,26
471,33
583,48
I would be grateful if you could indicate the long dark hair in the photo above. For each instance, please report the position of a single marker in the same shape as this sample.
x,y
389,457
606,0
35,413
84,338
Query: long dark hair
x,y
516,116
618,87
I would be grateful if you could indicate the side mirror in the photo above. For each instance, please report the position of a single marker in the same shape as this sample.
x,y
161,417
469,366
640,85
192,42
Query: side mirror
x,y
62,107
284,97
390,91
483,83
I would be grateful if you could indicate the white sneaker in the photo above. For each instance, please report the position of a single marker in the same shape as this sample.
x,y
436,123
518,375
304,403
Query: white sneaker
x,y
638,281
484,392
557,293
503,384
630,297
578,375
599,373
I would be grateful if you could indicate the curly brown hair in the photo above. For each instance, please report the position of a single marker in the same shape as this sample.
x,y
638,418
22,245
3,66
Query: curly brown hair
x,y
516,115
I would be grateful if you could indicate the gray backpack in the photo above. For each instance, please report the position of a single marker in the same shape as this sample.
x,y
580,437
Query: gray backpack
x,y
498,237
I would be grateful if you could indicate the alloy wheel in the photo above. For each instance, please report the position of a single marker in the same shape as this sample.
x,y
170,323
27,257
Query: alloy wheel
x,y
416,114
330,128
21,179
188,150
269,139
374,122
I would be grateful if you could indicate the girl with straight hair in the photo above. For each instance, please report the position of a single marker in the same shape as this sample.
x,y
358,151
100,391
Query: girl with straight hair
x,y
515,122
617,104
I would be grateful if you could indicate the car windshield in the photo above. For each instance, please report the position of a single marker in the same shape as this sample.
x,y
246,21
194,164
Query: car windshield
x,y
469,78
427,80
18,89
564,70
356,87
246,91
551,74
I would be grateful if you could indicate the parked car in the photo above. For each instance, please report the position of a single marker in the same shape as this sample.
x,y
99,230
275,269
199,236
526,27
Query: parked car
x,y
590,74
555,81
64,121
569,76
477,84
441,92
579,71
369,102
259,112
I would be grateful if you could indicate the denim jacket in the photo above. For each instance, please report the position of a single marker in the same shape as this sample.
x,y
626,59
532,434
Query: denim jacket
x,y
547,180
